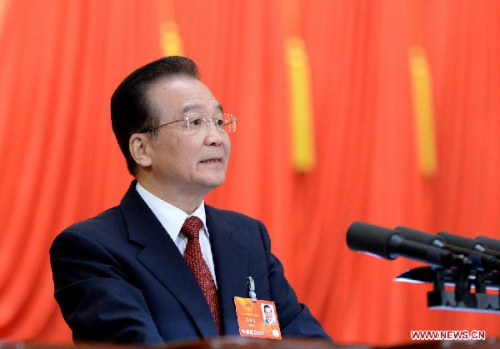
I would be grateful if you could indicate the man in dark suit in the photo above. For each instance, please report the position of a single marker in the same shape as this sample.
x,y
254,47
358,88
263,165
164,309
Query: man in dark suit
x,y
163,265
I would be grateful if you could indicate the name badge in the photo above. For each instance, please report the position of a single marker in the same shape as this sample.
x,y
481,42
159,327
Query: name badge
x,y
257,318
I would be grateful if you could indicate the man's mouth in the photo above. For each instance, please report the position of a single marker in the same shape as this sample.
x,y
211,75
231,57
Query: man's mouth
x,y
212,160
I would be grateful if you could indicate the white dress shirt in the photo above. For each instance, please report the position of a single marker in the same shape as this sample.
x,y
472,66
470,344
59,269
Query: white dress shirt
x,y
172,219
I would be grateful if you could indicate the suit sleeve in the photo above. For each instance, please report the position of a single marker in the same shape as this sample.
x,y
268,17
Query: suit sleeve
x,y
95,296
295,318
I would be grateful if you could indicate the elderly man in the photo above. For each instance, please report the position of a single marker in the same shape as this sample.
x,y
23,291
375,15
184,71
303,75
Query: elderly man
x,y
163,265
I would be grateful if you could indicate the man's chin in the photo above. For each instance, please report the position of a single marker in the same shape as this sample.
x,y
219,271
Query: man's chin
x,y
212,183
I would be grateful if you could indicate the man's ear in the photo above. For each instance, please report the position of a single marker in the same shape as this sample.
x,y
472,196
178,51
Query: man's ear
x,y
138,145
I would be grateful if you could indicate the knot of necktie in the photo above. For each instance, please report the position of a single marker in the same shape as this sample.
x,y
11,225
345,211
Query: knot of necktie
x,y
191,228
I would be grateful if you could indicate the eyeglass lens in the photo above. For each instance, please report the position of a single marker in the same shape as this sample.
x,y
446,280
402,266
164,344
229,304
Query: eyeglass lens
x,y
224,122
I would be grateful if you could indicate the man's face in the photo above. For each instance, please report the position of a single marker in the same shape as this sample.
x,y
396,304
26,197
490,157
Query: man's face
x,y
269,314
188,164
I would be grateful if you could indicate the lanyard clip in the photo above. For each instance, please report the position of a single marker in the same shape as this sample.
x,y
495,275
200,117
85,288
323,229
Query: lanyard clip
x,y
251,289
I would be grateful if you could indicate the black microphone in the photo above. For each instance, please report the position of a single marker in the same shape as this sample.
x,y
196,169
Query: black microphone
x,y
461,241
390,244
474,244
489,243
455,244
420,236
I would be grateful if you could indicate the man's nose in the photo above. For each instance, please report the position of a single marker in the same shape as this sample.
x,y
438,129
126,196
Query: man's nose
x,y
213,136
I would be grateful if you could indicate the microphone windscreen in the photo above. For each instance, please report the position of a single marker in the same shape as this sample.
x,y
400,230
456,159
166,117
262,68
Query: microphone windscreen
x,y
369,238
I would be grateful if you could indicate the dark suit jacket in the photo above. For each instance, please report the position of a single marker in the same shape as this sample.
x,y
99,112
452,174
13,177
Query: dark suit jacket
x,y
120,278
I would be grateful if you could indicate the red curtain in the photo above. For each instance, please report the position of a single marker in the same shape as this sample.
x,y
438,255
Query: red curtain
x,y
59,64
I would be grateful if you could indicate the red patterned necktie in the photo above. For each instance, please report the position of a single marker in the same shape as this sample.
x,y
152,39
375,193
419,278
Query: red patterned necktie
x,y
195,261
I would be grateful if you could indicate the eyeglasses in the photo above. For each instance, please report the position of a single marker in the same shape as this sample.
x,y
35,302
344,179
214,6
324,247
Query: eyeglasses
x,y
195,121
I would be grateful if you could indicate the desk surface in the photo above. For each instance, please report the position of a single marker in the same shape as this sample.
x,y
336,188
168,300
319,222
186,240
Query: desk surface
x,y
249,343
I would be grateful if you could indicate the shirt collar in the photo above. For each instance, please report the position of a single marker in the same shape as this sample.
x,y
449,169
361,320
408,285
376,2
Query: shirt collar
x,y
171,218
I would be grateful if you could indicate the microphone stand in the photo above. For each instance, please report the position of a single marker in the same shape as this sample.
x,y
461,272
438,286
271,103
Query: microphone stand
x,y
470,287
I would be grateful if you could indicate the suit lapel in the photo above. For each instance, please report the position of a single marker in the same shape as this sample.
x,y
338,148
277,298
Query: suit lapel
x,y
231,266
162,258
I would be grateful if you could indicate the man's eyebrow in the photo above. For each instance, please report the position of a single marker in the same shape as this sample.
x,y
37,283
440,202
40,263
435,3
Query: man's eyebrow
x,y
190,107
